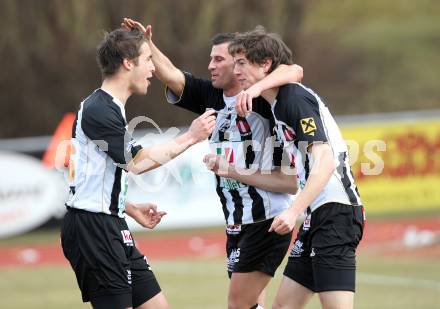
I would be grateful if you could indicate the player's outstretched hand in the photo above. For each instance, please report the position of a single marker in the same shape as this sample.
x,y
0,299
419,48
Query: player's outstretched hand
x,y
284,223
147,215
243,104
129,23
202,126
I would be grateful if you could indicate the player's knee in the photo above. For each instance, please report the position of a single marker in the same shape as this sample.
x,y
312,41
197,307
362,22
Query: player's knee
x,y
164,304
277,304
235,302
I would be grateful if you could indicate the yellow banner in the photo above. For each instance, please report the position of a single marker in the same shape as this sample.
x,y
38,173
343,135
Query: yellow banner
x,y
396,165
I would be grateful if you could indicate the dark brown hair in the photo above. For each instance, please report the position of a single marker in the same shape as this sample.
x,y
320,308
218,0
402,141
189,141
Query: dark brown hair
x,y
118,45
258,46
225,37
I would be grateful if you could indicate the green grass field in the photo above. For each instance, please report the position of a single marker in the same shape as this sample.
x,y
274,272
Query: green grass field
x,y
382,283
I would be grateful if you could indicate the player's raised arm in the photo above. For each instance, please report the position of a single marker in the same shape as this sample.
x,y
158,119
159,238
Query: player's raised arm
x,y
164,68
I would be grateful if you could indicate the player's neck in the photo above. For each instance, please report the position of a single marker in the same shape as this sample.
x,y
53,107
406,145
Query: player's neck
x,y
117,88
270,95
232,91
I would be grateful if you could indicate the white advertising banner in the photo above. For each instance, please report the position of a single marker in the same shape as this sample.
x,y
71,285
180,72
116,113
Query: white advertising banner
x,y
30,194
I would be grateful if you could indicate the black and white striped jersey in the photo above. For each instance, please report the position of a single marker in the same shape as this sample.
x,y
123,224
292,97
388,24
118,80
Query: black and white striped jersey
x,y
244,141
301,119
100,148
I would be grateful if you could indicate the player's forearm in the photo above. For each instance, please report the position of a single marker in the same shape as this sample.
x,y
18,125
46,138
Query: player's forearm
x,y
276,181
166,71
155,156
282,75
322,169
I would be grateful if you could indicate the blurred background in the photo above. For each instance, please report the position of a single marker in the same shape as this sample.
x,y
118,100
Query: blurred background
x,y
376,64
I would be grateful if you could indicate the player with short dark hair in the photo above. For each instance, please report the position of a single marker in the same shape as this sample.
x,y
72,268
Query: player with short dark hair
x,y
322,259
249,204
110,270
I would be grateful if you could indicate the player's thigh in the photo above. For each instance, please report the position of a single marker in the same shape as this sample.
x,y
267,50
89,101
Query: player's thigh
x,y
157,302
253,248
291,295
145,286
247,287
337,299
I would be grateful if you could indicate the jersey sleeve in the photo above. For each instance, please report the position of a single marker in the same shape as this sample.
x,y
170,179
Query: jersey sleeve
x,y
305,119
105,126
198,95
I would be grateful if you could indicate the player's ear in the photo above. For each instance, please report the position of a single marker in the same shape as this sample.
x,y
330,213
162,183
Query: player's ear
x,y
127,64
267,64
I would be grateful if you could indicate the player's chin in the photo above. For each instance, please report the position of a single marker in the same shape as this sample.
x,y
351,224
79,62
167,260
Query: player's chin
x,y
245,84
217,84
142,90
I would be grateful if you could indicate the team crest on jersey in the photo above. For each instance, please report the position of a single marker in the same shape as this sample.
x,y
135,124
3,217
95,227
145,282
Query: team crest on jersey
x,y
243,126
308,126
126,237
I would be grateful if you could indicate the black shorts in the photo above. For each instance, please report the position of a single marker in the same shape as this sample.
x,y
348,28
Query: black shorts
x,y
323,257
110,270
251,247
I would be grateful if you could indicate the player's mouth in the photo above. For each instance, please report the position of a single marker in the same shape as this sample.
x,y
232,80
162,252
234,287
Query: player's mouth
x,y
214,76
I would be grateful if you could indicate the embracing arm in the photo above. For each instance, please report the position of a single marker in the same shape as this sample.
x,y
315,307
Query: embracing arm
x,y
275,180
283,74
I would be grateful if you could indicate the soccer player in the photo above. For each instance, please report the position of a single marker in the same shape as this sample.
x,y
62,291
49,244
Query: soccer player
x,y
111,272
249,203
322,259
